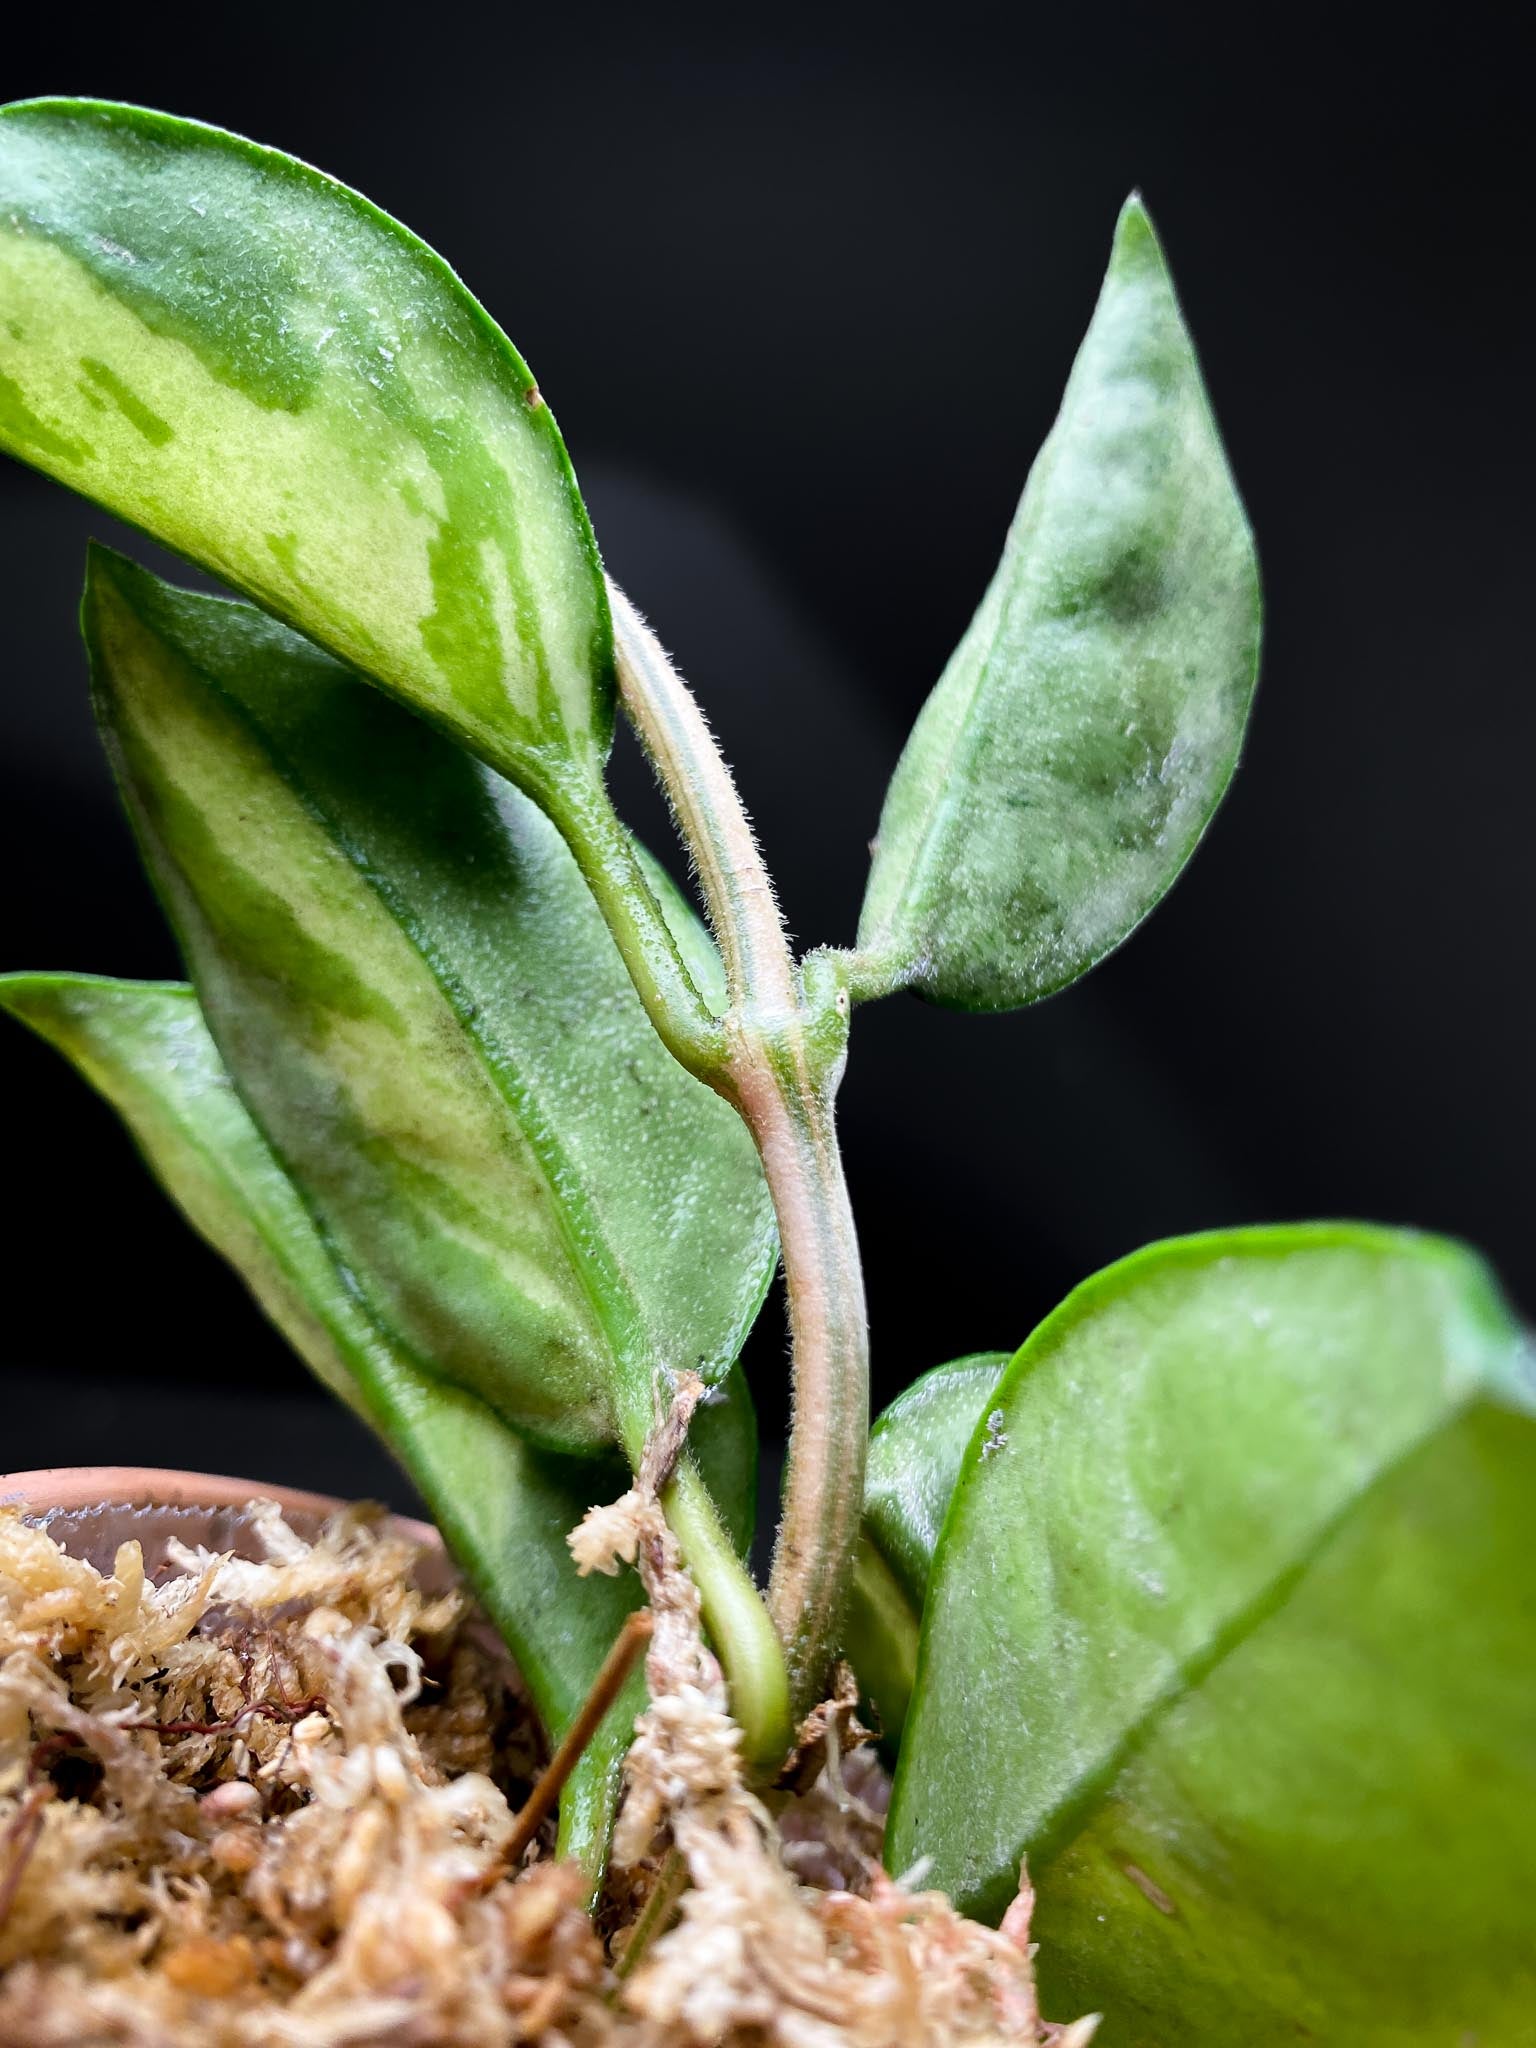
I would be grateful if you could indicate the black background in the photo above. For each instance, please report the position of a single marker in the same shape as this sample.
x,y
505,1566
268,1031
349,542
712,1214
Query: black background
x,y
803,293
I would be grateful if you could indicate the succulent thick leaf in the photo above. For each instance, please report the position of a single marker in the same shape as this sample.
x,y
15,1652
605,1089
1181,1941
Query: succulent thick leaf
x,y
1085,729
915,1450
271,376
1231,1630
504,1507
424,1012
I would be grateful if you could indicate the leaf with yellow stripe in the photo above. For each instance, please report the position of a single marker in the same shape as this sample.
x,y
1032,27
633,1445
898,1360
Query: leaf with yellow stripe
x,y
424,1011
258,367
504,1506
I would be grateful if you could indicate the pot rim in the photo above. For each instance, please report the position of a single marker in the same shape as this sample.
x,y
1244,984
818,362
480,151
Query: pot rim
x,y
69,1488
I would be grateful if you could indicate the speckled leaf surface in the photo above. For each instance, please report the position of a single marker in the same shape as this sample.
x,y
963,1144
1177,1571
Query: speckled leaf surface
x,y
254,365
1087,726
503,1506
423,1010
1234,1634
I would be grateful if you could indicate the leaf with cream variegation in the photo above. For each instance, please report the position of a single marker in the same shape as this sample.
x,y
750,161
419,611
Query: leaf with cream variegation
x,y
420,1003
268,374
503,1505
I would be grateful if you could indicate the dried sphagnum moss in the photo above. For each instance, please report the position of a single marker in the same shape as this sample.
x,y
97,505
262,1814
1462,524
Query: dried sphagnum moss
x,y
759,1957
313,1872
232,1816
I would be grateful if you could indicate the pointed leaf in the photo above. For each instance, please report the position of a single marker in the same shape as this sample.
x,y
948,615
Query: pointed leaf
x,y
265,372
1232,1635
424,1012
1087,726
503,1506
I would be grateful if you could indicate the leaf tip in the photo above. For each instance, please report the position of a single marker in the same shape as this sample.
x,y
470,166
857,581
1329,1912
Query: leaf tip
x,y
1136,238
107,568
118,605
109,580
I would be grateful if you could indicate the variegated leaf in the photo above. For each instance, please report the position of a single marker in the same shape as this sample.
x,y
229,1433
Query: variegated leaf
x,y
504,1506
256,366
1087,726
423,1009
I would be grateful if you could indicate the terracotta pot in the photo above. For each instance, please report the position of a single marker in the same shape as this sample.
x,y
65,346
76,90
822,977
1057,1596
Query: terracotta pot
x,y
91,1509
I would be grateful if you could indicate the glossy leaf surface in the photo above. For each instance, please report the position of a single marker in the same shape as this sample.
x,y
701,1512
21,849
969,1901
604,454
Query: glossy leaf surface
x,y
422,1008
1085,729
257,367
503,1506
1234,1636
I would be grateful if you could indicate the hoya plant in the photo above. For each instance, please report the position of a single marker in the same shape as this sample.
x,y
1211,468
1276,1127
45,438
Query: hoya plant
x,y
1212,1603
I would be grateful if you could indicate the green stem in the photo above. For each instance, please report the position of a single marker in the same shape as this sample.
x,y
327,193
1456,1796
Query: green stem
x,y
734,1612
738,1622
735,1615
785,1033
605,853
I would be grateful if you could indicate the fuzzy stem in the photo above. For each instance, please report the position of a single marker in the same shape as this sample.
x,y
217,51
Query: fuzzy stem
x,y
738,895
785,1033
792,1121
739,1622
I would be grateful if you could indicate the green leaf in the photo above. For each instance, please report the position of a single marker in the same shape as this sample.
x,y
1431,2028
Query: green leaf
x,y
1080,739
258,367
1231,1630
915,1449
424,1012
503,1506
